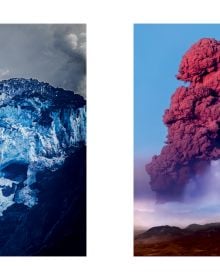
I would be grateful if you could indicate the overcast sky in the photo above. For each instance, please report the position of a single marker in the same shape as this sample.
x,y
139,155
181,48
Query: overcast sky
x,y
51,53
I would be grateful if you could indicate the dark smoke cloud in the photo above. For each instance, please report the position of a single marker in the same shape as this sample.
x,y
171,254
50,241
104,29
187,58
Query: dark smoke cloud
x,y
193,122
51,53
73,46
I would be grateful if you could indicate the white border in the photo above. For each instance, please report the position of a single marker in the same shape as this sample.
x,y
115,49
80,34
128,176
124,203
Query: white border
x,y
110,137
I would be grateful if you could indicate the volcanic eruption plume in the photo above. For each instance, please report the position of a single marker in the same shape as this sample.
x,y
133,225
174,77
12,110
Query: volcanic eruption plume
x,y
193,122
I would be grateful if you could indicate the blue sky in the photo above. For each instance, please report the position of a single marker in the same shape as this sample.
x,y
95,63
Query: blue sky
x,y
158,49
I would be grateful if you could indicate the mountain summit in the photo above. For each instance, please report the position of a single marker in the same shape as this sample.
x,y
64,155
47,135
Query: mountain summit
x,y
40,126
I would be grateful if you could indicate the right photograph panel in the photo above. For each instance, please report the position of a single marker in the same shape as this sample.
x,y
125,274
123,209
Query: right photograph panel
x,y
176,140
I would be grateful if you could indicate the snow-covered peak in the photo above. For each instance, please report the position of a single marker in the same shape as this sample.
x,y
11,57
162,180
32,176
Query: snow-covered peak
x,y
39,127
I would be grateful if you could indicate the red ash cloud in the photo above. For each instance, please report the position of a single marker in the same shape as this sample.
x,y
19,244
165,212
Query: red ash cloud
x,y
193,122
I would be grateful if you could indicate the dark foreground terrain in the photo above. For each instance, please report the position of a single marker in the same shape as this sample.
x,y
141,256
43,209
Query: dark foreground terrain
x,y
56,226
194,240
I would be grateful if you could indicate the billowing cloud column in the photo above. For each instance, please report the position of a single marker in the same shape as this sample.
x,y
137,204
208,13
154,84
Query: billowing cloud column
x,y
193,122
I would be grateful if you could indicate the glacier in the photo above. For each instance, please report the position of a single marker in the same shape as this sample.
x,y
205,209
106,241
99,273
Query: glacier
x,y
40,126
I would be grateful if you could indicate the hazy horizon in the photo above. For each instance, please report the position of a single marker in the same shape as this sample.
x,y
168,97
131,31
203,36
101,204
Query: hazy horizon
x,y
202,209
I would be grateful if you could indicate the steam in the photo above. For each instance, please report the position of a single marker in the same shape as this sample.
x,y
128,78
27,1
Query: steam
x,y
200,203
205,189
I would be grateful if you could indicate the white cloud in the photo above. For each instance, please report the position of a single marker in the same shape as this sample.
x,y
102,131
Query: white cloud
x,y
72,39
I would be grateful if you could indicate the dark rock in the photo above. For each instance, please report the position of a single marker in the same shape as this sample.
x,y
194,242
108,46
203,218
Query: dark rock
x,y
56,226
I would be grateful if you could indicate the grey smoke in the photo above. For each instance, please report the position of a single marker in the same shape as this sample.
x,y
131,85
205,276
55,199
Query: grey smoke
x,y
54,53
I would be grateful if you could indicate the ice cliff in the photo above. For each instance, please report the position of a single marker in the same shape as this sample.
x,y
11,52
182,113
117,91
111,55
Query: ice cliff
x,y
39,127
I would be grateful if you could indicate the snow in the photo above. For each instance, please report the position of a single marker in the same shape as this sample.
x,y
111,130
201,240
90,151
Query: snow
x,y
25,138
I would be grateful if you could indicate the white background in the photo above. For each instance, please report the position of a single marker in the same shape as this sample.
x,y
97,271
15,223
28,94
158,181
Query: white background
x,y
110,138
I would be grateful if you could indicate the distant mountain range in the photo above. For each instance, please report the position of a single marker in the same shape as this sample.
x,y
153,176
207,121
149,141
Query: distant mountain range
x,y
194,240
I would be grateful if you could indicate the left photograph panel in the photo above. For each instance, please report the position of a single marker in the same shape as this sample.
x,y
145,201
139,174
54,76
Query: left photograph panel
x,y
43,140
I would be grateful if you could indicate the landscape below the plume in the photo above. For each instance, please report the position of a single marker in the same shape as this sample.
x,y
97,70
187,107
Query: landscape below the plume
x,y
194,240
177,178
